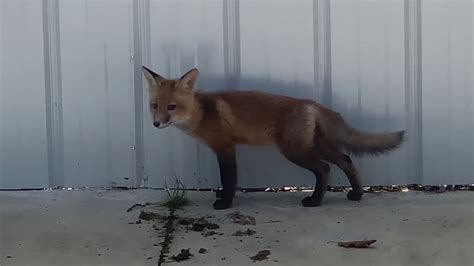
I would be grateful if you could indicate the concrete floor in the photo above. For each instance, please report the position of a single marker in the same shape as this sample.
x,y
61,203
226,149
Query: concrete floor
x,y
74,227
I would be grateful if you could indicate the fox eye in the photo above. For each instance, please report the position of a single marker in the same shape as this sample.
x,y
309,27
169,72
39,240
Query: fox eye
x,y
154,105
171,107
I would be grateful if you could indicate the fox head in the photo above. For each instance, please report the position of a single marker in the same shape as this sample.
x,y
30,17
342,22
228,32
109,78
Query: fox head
x,y
171,100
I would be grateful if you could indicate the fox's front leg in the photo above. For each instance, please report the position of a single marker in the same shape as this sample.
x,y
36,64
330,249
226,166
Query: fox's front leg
x,y
228,173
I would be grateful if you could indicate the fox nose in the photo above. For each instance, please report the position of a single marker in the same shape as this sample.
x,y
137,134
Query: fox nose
x,y
156,124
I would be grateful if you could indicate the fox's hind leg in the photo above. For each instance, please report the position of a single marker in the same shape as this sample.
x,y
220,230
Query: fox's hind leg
x,y
311,161
344,162
298,144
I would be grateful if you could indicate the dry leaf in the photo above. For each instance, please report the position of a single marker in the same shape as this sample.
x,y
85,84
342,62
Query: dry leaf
x,y
261,255
356,244
242,219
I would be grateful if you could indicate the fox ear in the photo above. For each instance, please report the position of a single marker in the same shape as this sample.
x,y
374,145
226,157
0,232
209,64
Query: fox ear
x,y
152,78
189,80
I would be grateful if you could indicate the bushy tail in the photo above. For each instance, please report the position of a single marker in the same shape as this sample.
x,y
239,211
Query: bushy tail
x,y
358,142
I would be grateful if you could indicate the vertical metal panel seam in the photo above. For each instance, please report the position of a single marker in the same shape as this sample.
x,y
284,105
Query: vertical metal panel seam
x,y
2,171
322,51
470,84
231,28
141,56
413,87
53,92
231,20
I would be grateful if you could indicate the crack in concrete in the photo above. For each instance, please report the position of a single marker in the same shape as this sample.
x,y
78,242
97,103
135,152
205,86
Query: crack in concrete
x,y
169,230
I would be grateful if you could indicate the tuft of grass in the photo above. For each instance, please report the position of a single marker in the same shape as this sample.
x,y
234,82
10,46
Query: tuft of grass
x,y
176,196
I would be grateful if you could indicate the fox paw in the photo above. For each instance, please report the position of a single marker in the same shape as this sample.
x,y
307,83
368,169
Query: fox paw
x,y
355,195
221,204
310,202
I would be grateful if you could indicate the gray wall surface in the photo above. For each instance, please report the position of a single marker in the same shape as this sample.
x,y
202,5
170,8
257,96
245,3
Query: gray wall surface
x,y
73,104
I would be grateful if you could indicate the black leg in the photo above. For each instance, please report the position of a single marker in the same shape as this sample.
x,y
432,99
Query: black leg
x,y
344,162
218,194
311,161
228,172
320,171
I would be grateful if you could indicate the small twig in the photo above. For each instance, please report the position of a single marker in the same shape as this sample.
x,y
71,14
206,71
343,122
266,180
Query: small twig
x,y
136,206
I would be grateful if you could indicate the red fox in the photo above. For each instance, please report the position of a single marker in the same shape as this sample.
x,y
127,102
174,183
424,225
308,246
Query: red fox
x,y
306,133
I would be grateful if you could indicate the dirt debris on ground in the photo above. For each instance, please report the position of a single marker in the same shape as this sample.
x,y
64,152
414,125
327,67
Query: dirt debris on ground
x,y
168,236
197,227
185,254
247,232
273,222
202,251
211,233
417,187
148,216
261,255
242,219
212,226
198,224
185,221
411,187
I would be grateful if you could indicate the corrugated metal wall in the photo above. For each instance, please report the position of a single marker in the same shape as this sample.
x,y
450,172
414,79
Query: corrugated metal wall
x,y
73,108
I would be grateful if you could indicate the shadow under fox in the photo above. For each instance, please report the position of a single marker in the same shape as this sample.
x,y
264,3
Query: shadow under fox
x,y
306,133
